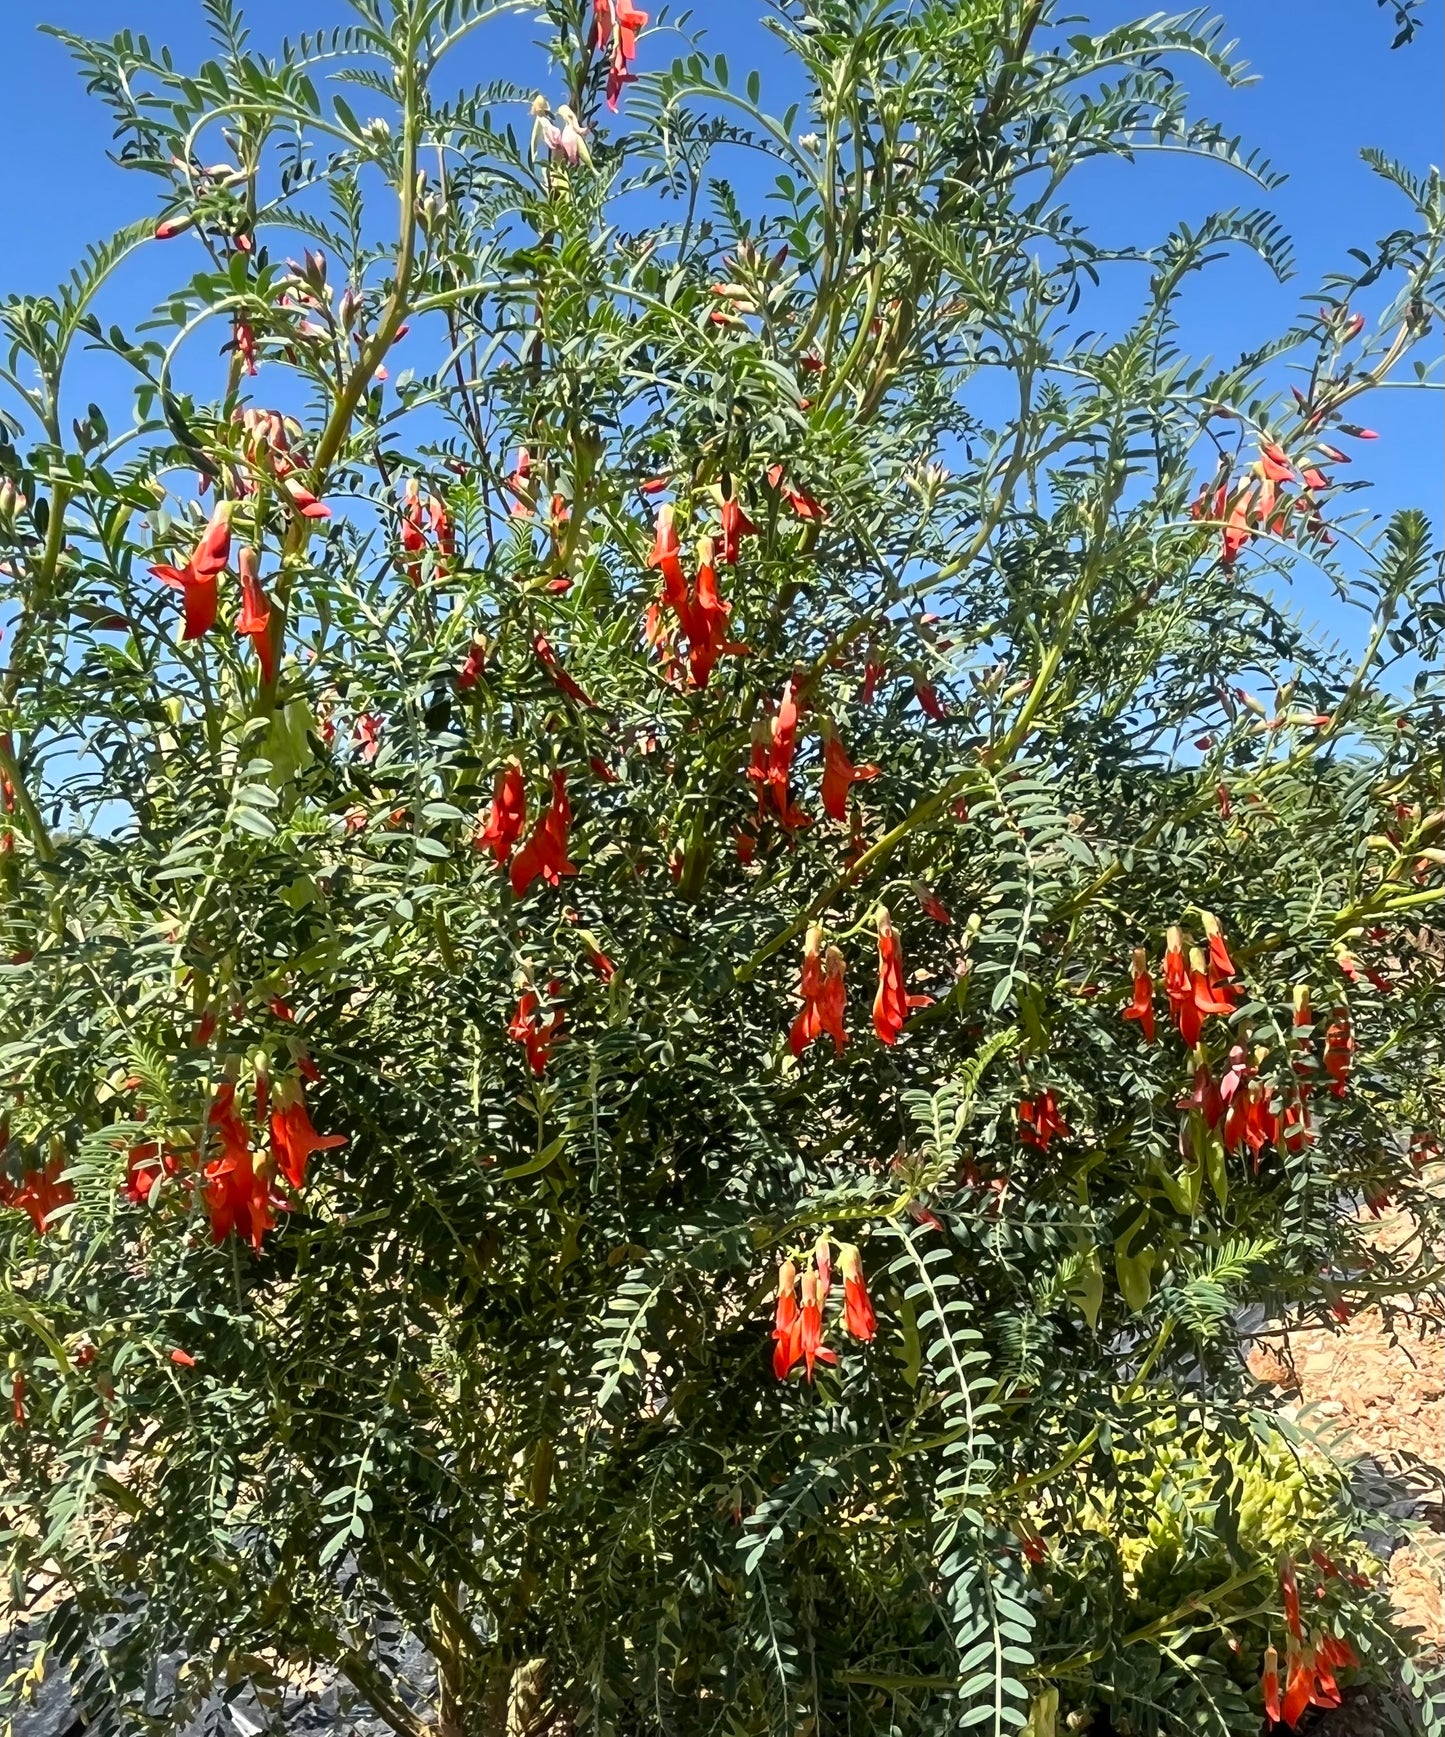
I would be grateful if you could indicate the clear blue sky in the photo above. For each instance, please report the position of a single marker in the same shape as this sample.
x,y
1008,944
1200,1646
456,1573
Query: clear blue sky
x,y
1328,85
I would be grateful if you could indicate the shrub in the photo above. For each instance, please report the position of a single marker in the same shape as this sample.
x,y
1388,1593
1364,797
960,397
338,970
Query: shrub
x,y
448,866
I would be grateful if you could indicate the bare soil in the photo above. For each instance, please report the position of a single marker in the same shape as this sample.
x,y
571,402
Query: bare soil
x,y
1377,1381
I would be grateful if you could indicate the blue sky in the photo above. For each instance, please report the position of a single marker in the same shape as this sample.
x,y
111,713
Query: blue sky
x,y
1328,84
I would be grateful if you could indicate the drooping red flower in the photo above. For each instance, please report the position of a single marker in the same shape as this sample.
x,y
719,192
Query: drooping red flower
x,y
810,1326
858,1315
1142,1006
254,621
615,24
305,503
705,619
245,342
928,699
237,1194
666,553
1289,1592
892,1001
1299,1687
824,994
839,775
473,665
413,529
293,1139
787,1339
545,852
196,581
735,526
1339,1049
536,1035
806,506
1204,1094
1236,528
39,1194
1040,1121
1209,997
1220,963
553,666
1269,1684
930,903
782,742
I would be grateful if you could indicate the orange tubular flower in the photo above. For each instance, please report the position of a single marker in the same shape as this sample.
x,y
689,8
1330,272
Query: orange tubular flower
x,y
196,581
892,1002
806,1027
787,1346
735,526
667,553
1339,1048
553,666
810,1326
254,621
839,775
39,1194
507,817
1299,1686
545,852
1269,1684
1142,1006
236,1195
293,1139
858,1314
1220,963
1040,1121
1208,997
705,619
536,1036
1289,1592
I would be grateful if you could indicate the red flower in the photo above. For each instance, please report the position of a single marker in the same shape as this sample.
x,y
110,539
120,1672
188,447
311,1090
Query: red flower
x,y
519,485
858,1314
476,661
183,1359
254,621
787,1338
824,996
615,25
535,1035
928,699
1040,1121
304,501
735,526
892,1001
17,1398
930,903
1204,1093
545,852
1222,802
1339,1048
810,1326
781,745
1274,464
839,775
196,581
553,665
507,816
1299,1688
806,506
293,1139
1236,529
874,671
39,1194
246,346
367,735
705,620
236,1195
1269,1684
1209,997
1220,963
667,552
1289,1591
1142,1006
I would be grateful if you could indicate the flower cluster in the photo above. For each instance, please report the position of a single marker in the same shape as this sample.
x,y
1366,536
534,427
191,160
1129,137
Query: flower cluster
x,y
1310,1663
798,1327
